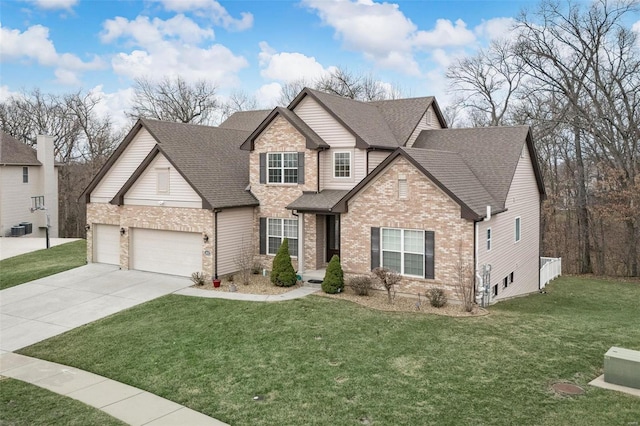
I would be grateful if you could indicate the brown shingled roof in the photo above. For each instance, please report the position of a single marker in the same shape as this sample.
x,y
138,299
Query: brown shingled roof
x,y
492,153
14,152
245,120
378,124
322,201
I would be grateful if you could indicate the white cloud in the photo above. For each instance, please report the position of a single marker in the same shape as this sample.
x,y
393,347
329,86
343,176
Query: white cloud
x,y
114,105
495,28
6,93
636,28
54,4
384,35
268,95
288,66
170,47
445,34
34,44
210,9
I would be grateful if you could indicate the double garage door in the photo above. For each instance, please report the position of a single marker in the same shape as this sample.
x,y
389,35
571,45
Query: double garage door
x,y
166,252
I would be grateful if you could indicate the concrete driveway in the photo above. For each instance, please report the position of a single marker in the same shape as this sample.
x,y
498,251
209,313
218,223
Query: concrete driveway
x,y
40,309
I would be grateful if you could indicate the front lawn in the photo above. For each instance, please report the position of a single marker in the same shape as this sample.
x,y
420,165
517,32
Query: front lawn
x,y
31,266
325,362
25,404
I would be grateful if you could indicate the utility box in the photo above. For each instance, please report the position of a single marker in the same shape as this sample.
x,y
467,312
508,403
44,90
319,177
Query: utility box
x,y
28,227
622,367
17,231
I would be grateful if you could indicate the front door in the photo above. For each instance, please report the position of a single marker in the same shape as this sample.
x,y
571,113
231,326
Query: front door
x,y
333,236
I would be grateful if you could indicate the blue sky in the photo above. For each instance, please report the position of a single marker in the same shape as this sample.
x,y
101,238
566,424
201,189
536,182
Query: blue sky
x,y
62,46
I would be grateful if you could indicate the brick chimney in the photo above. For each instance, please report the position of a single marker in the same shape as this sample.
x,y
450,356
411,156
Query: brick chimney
x,y
49,180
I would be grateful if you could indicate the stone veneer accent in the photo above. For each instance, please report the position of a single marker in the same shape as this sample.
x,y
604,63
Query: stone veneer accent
x,y
280,136
426,208
163,218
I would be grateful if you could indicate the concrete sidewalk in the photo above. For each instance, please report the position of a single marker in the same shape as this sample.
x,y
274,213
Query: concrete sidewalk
x,y
131,405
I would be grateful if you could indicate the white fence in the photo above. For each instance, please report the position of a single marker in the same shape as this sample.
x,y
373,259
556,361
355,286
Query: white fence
x,y
551,269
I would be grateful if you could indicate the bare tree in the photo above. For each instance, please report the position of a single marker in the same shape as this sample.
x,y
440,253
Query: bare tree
x,y
388,278
237,101
487,82
174,99
465,282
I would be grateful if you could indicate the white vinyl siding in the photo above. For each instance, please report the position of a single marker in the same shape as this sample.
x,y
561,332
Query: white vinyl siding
x,y
339,139
507,256
166,252
235,231
16,201
106,244
124,167
428,121
146,191
376,157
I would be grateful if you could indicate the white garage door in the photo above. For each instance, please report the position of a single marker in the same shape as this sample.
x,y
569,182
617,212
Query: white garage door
x,y
106,244
167,252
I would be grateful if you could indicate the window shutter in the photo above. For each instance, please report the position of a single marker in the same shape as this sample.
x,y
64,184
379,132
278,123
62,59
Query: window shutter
x,y
429,255
301,167
263,167
263,235
375,248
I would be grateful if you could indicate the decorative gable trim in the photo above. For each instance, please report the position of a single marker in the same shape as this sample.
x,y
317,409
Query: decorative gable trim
x,y
465,211
118,199
312,139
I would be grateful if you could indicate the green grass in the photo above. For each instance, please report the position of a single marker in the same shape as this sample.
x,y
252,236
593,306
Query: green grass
x,y
319,361
25,404
31,266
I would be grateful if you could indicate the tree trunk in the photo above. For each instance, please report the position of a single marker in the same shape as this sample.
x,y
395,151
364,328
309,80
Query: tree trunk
x,y
584,246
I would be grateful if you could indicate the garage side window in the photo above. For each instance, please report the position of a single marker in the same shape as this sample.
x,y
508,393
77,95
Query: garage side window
x,y
162,174
25,175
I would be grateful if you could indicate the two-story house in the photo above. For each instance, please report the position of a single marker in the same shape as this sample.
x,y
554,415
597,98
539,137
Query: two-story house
x,y
380,183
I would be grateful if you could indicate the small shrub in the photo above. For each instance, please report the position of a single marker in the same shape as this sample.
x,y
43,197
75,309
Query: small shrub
x,y
256,268
437,297
230,278
388,278
333,281
199,278
361,285
282,272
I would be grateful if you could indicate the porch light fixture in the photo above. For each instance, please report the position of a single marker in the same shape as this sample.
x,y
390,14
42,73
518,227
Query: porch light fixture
x,y
123,231
205,238
87,227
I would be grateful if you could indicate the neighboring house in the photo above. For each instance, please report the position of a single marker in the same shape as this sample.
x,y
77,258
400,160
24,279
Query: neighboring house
x,y
169,197
380,183
28,179
386,184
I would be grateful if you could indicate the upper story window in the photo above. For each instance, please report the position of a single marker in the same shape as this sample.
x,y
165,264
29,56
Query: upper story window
x,y
282,167
342,164
25,175
162,174
517,230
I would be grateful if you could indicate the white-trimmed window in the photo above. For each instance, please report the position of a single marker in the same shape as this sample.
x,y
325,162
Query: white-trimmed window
x,y
403,251
279,229
282,167
403,190
342,164
25,175
488,239
162,174
517,229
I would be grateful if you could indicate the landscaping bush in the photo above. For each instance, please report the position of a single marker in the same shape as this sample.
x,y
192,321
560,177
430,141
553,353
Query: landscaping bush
x,y
282,272
333,278
437,297
199,278
361,285
388,278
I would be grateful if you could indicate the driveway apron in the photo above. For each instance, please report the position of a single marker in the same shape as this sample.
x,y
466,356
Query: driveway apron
x,y
40,309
